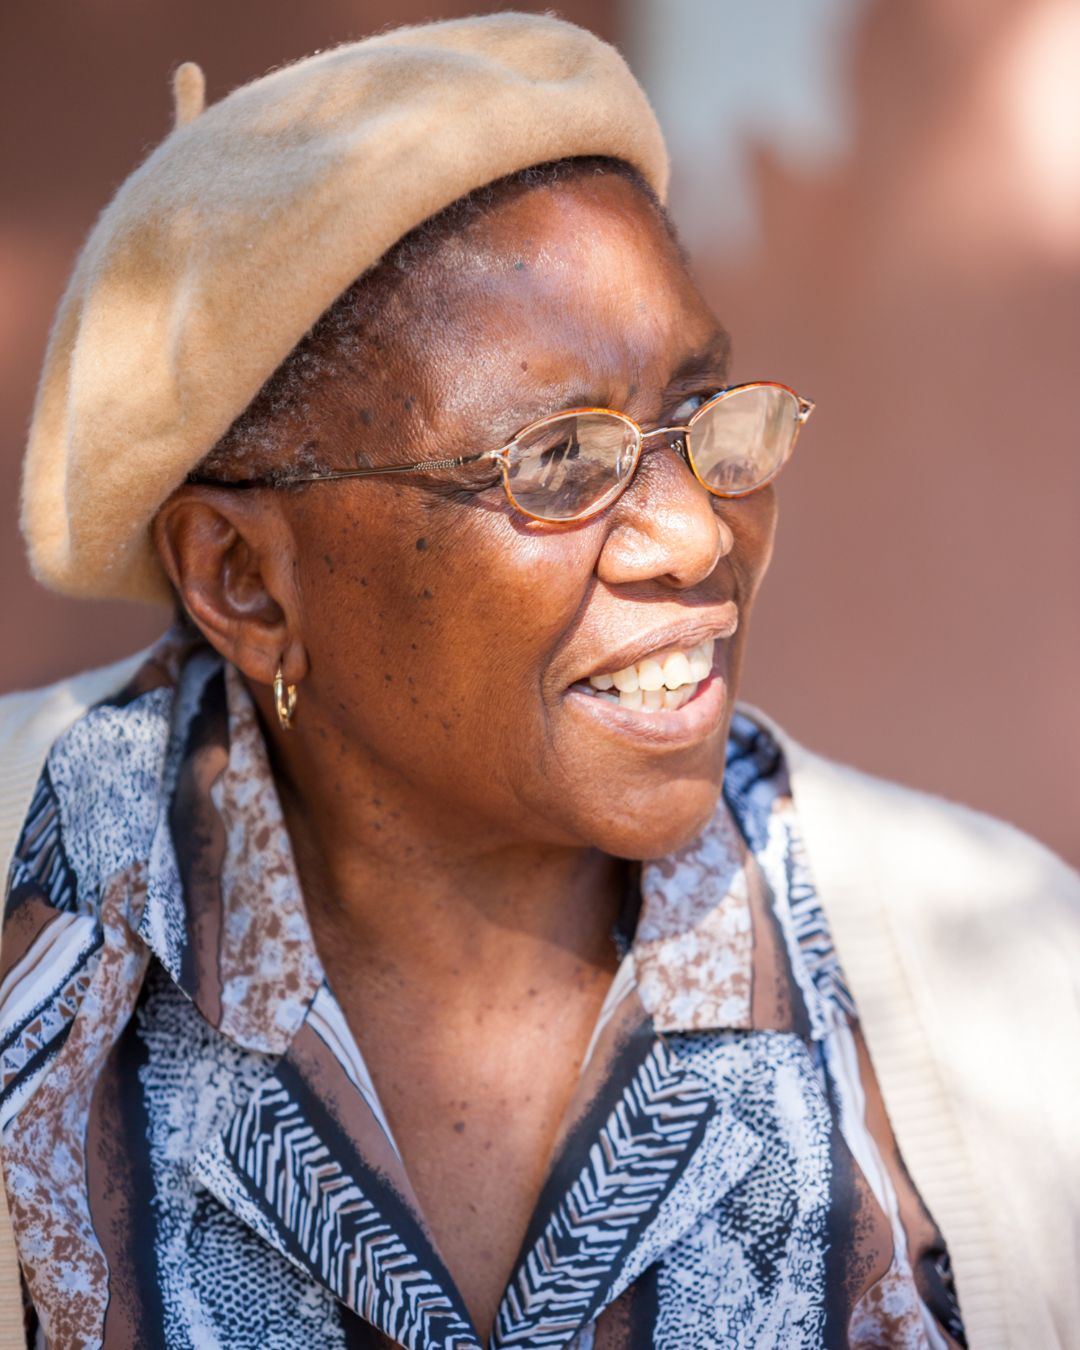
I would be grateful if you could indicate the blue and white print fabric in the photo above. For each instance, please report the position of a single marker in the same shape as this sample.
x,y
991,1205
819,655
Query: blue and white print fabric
x,y
195,1153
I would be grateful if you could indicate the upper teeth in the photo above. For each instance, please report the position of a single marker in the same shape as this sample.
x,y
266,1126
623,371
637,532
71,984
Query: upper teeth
x,y
659,671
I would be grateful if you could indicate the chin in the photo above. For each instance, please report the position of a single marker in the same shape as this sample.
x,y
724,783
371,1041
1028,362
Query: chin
x,y
654,828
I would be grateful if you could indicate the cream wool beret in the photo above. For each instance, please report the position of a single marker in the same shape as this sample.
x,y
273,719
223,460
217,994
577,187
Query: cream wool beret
x,y
223,248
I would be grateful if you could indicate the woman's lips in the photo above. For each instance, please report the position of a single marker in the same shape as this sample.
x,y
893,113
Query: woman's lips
x,y
695,721
705,629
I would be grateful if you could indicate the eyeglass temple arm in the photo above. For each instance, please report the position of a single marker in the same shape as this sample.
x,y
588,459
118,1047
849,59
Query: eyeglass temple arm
x,y
422,465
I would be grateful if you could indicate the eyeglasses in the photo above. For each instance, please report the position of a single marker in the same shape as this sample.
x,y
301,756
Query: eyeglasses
x,y
574,464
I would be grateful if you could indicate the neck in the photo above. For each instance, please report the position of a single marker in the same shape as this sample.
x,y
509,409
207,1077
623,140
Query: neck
x,y
421,897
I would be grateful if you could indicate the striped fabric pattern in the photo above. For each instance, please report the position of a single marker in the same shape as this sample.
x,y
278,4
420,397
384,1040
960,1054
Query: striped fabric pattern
x,y
634,1161
61,960
41,861
327,1220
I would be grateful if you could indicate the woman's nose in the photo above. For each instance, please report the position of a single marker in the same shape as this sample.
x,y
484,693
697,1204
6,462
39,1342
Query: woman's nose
x,y
664,527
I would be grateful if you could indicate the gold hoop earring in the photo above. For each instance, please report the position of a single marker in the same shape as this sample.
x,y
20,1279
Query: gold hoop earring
x,y
284,700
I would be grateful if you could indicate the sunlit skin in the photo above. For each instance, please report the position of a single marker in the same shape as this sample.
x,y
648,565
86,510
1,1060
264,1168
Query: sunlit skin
x,y
458,815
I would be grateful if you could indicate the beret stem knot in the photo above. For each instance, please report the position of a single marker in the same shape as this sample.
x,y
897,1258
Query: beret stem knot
x,y
189,93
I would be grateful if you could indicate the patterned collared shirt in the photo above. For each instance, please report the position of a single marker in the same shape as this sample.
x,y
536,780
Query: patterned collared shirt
x,y
195,1153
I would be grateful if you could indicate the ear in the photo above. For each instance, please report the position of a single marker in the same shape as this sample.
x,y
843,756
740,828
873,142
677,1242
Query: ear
x,y
230,560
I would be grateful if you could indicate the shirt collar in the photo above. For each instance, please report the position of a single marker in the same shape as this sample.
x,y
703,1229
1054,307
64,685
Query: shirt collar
x,y
711,928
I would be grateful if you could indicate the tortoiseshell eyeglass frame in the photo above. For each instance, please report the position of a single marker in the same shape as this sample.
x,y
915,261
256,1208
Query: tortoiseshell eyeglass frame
x,y
679,436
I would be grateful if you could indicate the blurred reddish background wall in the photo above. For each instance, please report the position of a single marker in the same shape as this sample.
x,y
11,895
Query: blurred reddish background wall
x,y
921,619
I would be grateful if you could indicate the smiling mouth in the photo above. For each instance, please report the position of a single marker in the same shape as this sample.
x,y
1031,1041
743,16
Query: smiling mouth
x,y
660,682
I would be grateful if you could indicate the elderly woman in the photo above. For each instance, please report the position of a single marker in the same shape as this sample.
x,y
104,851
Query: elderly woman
x,y
419,946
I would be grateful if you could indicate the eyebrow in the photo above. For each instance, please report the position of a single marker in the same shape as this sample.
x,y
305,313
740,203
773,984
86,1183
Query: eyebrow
x,y
712,360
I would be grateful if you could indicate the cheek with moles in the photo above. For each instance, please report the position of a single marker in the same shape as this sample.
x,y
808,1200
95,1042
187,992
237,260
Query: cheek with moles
x,y
457,649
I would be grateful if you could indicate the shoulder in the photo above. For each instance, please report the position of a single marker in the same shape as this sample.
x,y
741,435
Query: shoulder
x,y
960,939
941,913
920,844
31,721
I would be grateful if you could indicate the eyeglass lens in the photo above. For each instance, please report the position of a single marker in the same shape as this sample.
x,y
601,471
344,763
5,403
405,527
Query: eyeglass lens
x,y
741,440
573,464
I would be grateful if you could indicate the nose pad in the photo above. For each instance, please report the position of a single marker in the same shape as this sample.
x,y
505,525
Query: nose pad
x,y
678,444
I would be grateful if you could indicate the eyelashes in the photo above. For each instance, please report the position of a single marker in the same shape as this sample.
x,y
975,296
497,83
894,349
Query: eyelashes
x,y
689,403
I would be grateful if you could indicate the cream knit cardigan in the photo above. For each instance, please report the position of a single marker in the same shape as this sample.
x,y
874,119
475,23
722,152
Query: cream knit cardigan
x,y
960,937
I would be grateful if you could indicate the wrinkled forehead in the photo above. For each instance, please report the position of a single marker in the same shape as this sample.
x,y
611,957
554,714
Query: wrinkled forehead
x,y
570,294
